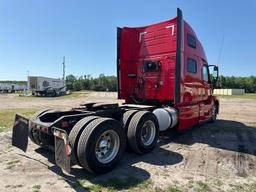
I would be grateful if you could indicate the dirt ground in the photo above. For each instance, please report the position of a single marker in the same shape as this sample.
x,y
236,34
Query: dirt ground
x,y
13,101
218,156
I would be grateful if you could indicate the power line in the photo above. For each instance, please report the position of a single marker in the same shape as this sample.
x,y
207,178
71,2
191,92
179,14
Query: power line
x,y
221,48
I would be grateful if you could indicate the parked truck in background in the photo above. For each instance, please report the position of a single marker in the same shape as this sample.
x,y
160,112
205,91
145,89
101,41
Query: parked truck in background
x,y
163,76
45,86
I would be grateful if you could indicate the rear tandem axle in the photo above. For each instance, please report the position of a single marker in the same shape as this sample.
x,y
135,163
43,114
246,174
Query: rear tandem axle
x,y
93,136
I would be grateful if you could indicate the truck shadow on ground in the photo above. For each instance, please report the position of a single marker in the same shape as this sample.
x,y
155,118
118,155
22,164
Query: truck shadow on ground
x,y
125,176
223,134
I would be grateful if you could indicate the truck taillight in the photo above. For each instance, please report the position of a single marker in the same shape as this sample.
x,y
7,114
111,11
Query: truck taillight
x,y
68,149
44,129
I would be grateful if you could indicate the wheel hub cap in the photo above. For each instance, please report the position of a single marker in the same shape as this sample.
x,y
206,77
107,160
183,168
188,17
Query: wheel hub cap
x,y
107,146
148,133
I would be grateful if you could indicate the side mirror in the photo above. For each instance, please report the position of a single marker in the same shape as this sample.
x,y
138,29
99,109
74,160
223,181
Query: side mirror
x,y
215,75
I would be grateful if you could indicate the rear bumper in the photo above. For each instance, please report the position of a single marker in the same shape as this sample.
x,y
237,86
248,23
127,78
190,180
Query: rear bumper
x,y
24,128
34,124
53,138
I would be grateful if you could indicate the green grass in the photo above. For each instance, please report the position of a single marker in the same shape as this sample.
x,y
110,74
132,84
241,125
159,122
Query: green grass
x,y
36,188
117,184
75,94
245,96
202,187
168,189
71,95
14,186
7,116
245,187
11,164
129,184
50,183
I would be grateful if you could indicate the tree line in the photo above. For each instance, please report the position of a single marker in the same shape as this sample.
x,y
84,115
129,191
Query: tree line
x,y
109,83
87,82
231,82
15,82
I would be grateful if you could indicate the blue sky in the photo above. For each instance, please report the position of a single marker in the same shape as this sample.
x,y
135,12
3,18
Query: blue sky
x,y
35,34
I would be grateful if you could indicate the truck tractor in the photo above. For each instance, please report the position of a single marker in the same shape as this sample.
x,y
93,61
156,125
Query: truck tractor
x,y
163,76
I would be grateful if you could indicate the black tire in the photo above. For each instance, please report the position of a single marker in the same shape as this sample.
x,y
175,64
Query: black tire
x,y
126,118
89,139
214,113
75,134
34,134
40,112
135,131
54,94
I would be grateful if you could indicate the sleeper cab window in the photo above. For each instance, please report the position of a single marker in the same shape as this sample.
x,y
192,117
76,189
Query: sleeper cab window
x,y
191,41
191,65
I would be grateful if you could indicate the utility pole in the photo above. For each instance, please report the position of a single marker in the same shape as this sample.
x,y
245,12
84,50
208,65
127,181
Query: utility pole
x,y
28,80
63,68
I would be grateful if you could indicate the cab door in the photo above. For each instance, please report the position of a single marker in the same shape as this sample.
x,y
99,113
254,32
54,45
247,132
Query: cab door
x,y
205,94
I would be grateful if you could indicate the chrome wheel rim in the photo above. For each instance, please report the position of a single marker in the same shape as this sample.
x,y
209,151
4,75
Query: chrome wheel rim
x,y
148,133
107,146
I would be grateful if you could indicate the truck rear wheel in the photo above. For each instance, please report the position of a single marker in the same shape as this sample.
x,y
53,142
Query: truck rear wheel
x,y
75,134
101,145
125,120
143,132
34,134
127,116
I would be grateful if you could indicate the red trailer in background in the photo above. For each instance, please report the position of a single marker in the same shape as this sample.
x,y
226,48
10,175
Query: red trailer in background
x,y
163,75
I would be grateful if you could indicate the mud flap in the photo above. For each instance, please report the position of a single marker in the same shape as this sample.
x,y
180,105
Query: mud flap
x,y
20,132
62,149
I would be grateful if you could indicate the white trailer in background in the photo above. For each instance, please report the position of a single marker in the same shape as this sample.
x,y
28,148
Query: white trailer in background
x,y
11,87
228,91
5,87
45,86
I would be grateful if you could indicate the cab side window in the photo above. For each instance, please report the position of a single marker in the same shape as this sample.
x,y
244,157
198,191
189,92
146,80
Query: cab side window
x,y
191,65
205,73
191,41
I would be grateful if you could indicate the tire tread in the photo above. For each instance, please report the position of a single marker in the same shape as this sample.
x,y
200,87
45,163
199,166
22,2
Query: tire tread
x,y
132,132
75,134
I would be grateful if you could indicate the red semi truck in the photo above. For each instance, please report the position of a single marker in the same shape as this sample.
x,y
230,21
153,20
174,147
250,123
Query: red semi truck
x,y
163,76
